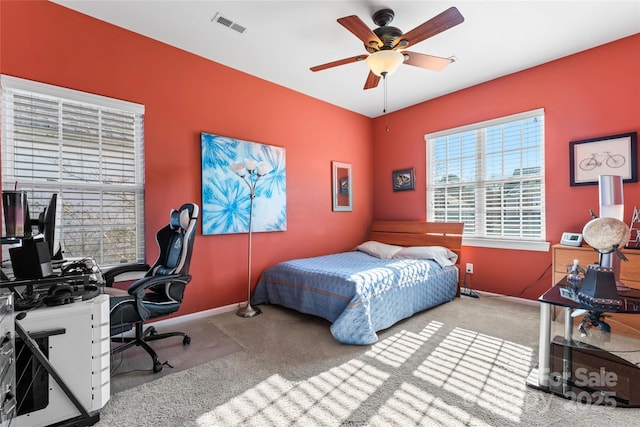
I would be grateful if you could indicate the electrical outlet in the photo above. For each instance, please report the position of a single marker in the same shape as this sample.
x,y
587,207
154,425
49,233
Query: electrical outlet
x,y
469,268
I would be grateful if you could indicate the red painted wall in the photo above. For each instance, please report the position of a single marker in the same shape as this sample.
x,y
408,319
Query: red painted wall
x,y
594,93
591,94
185,95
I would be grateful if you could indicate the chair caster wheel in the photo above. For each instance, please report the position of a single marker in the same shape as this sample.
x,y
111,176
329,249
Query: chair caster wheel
x,y
186,340
157,367
152,331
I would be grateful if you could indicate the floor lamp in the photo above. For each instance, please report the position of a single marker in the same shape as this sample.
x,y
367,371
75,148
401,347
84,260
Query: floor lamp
x,y
250,171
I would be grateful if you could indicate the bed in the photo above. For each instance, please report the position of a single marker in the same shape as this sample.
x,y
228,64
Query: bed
x,y
405,267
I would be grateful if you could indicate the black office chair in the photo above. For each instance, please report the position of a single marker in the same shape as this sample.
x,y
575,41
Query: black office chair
x,y
160,292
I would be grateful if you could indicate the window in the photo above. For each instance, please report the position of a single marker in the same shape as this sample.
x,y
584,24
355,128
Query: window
x,y
89,150
490,176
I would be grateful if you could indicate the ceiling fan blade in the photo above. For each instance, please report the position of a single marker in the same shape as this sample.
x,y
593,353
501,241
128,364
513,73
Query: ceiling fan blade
x,y
360,30
430,62
372,81
447,19
339,62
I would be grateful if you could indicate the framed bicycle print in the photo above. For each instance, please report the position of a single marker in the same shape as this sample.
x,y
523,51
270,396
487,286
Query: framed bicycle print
x,y
608,155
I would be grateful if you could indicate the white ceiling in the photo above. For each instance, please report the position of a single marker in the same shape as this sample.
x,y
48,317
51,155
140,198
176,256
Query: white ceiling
x,y
284,38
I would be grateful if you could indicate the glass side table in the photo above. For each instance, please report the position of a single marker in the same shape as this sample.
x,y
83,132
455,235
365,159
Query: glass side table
x,y
588,363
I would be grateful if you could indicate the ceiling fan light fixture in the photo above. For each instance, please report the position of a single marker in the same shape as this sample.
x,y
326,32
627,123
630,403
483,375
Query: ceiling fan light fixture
x,y
384,62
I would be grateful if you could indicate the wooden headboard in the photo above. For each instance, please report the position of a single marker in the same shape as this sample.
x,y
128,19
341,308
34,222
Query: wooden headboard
x,y
419,233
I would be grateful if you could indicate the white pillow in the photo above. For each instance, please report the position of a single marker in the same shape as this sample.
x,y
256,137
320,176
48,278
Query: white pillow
x,y
439,254
378,249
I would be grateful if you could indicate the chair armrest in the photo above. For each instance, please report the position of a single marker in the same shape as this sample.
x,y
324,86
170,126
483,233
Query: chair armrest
x,y
130,271
145,283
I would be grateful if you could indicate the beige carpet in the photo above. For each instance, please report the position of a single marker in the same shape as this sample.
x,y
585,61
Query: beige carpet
x,y
134,366
461,364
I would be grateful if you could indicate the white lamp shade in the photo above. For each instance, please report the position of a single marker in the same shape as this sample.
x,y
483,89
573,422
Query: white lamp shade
x,y
264,168
238,168
250,164
384,62
611,196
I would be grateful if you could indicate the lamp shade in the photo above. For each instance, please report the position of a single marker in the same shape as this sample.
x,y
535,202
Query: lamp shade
x,y
264,168
238,168
611,196
384,62
250,164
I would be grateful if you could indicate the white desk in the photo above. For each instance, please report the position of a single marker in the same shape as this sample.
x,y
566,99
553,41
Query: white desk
x,y
80,356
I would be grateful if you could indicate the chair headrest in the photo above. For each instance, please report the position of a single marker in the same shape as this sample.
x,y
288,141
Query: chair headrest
x,y
181,218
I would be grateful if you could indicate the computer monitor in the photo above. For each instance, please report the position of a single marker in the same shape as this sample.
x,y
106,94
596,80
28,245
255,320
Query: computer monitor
x,y
49,228
39,248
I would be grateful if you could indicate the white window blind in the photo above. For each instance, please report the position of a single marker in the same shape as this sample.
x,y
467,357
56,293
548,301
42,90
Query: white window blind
x,y
490,176
89,150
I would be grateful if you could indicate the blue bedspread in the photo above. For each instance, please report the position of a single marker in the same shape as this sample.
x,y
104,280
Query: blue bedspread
x,y
360,294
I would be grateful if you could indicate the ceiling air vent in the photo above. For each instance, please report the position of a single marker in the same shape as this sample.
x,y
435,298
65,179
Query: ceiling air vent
x,y
219,19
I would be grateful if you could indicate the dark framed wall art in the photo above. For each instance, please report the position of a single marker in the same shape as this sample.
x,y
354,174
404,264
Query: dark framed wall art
x,y
403,179
607,155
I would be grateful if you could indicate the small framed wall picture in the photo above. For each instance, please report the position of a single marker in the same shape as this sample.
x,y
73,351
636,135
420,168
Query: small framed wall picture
x,y
403,179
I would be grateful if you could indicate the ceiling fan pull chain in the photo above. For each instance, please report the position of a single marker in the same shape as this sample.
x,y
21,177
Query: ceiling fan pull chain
x,y
384,82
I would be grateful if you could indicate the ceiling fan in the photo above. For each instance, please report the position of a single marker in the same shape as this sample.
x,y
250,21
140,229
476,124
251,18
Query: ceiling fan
x,y
386,44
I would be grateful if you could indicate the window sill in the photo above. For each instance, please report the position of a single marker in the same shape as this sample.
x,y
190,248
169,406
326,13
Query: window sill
x,y
521,245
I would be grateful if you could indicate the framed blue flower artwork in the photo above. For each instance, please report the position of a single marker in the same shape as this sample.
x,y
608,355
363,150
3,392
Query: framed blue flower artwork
x,y
226,198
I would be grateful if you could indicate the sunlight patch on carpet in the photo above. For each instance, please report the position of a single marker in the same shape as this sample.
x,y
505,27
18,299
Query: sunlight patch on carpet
x,y
320,400
411,405
397,349
483,370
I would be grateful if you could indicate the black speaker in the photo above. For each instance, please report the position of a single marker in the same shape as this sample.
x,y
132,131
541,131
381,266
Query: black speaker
x,y
32,260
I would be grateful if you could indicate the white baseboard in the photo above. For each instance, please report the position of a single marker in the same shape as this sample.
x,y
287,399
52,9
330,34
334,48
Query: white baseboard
x,y
508,298
197,315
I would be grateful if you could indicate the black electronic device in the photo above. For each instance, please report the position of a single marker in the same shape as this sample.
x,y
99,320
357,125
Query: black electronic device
x,y
32,260
59,294
90,292
571,239
47,226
